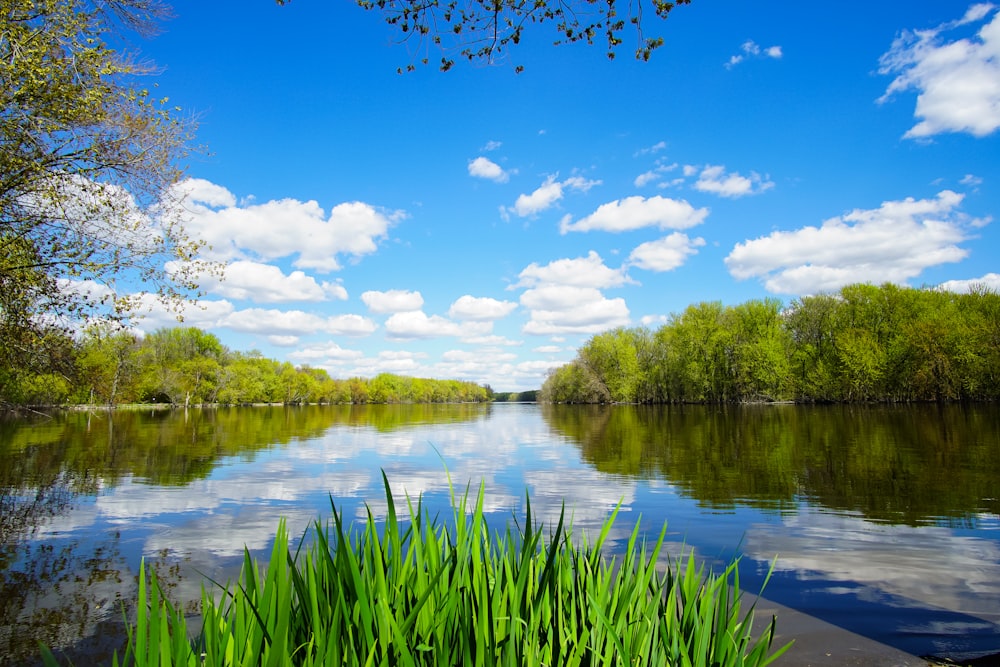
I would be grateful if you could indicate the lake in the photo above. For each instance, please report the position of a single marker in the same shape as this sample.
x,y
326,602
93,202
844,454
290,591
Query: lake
x,y
882,520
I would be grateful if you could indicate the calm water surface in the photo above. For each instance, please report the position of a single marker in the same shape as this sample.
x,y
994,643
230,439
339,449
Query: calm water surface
x,y
885,521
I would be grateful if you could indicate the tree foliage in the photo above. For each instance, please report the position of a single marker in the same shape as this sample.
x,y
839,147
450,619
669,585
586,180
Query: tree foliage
x,y
486,30
186,366
865,343
87,161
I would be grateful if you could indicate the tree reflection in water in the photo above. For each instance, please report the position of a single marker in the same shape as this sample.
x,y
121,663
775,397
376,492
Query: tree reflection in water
x,y
83,496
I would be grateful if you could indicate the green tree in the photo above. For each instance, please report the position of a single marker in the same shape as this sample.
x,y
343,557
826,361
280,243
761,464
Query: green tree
x,y
810,324
181,365
573,383
699,353
108,363
614,358
759,352
87,159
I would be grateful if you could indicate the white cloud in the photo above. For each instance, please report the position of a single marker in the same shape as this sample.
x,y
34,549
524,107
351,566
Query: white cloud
x,y
326,352
266,283
562,309
589,271
638,212
645,178
152,313
665,254
653,320
492,340
990,281
390,361
652,150
750,49
957,82
417,324
716,180
480,309
283,341
548,193
492,146
483,167
564,296
470,356
662,167
971,180
282,228
296,323
392,301
892,243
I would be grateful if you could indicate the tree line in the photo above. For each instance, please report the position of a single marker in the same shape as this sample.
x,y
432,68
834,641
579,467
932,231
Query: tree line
x,y
863,343
187,366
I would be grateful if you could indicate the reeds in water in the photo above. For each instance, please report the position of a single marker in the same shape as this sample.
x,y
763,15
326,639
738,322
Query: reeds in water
x,y
418,592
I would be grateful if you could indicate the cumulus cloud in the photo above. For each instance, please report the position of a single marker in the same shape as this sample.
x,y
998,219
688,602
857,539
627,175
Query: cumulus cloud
x,y
750,49
390,361
957,82
892,243
654,174
296,323
492,340
547,194
565,296
990,281
475,356
652,150
325,352
282,228
152,313
283,341
972,181
392,301
589,271
266,283
638,212
562,309
483,167
665,254
417,324
645,178
716,180
468,307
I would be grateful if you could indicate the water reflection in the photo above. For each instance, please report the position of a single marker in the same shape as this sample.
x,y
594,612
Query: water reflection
x,y
911,465
884,520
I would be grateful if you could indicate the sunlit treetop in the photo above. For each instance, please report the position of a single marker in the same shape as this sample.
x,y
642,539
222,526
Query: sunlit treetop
x,y
486,30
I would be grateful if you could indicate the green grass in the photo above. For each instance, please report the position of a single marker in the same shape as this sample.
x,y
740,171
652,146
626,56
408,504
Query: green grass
x,y
419,592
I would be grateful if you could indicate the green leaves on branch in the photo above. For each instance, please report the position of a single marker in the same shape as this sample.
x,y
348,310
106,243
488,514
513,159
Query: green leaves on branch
x,y
487,30
87,159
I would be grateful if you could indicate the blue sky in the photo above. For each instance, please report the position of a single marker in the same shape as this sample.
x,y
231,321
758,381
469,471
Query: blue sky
x,y
482,224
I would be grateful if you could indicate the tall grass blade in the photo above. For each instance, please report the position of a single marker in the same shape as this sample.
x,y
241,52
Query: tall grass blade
x,y
415,592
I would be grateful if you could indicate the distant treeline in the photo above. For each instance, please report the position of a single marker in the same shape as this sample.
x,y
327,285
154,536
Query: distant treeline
x,y
517,397
187,366
864,343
